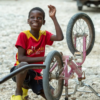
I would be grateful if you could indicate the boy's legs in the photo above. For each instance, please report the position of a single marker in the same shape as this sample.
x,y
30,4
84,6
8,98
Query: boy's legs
x,y
20,79
43,95
36,84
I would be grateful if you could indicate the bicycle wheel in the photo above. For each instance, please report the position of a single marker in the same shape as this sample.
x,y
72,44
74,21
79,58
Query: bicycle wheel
x,y
52,78
79,24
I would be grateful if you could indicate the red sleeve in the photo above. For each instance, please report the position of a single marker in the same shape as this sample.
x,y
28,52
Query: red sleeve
x,y
48,36
21,40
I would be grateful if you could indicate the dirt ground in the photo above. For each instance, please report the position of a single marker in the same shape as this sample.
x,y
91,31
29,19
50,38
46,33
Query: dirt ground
x,y
13,20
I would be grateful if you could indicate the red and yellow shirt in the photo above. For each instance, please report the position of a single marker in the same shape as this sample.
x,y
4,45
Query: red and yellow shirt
x,y
34,47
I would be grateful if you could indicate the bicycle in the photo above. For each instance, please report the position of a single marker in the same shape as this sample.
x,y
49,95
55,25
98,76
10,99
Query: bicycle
x,y
80,39
54,60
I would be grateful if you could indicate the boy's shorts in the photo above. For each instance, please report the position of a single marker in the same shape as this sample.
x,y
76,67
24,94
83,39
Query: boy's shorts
x,y
33,80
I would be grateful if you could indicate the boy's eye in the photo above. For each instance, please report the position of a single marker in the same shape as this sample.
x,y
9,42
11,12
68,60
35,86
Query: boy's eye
x,y
32,17
39,18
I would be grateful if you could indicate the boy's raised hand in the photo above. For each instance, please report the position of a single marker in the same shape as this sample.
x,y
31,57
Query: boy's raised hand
x,y
59,35
52,11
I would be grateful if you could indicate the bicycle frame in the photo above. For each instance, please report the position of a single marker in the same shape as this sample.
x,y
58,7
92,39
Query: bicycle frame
x,y
75,67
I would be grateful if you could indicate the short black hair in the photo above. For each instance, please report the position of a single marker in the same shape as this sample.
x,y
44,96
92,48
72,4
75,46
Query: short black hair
x,y
39,9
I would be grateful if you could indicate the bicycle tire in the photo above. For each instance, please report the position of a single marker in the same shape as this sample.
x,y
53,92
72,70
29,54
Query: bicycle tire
x,y
70,26
46,75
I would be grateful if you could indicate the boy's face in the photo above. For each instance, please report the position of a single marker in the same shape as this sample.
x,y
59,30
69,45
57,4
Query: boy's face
x,y
36,20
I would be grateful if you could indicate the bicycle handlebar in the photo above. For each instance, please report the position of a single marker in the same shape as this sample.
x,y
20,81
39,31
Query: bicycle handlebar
x,y
19,70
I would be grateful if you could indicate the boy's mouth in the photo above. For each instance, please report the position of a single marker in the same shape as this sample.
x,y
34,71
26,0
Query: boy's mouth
x,y
35,24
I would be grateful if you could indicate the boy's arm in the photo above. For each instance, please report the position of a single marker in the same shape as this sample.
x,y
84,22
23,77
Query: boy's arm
x,y
59,35
23,58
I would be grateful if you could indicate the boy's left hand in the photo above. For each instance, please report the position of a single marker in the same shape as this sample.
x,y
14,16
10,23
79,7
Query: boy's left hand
x,y
52,11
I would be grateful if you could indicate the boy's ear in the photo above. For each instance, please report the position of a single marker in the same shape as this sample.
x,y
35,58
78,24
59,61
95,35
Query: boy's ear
x,y
43,22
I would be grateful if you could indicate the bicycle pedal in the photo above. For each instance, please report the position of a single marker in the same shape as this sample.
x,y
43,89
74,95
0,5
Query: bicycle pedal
x,y
78,56
73,76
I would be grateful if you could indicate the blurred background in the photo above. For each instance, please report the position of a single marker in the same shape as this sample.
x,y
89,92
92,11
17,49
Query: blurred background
x,y
13,20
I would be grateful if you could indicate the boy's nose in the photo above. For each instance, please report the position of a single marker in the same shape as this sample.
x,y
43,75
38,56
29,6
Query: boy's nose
x,y
35,18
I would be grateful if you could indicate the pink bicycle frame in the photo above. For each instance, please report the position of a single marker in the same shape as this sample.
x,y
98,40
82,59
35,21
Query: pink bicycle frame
x,y
75,67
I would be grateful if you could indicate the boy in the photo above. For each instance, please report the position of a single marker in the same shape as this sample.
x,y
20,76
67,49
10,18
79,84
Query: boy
x,y
31,49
